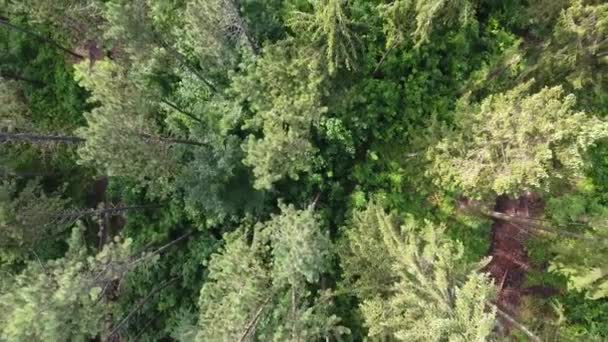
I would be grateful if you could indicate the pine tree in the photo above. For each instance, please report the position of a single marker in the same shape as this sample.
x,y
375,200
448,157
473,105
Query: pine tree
x,y
434,295
148,31
514,142
258,288
239,286
122,137
62,299
579,46
283,89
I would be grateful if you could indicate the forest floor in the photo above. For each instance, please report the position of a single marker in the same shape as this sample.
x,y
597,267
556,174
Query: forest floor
x,y
510,261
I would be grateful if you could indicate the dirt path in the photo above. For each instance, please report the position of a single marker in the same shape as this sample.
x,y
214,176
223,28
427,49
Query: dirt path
x,y
510,262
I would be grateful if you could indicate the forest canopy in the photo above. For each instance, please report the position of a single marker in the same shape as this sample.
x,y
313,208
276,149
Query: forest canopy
x,y
303,170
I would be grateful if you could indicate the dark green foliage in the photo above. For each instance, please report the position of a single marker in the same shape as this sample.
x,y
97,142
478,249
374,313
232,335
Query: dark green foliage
x,y
30,222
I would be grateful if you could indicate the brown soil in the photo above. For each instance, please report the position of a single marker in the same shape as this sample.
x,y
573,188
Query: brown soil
x,y
510,262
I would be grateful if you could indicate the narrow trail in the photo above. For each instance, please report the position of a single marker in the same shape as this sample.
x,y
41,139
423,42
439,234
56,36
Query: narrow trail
x,y
510,262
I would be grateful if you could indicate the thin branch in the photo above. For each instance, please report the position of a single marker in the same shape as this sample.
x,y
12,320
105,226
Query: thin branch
x,y
188,114
153,138
534,225
161,249
16,77
140,305
253,322
386,53
184,61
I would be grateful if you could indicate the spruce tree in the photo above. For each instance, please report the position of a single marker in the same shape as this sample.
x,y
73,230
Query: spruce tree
x,y
432,294
415,20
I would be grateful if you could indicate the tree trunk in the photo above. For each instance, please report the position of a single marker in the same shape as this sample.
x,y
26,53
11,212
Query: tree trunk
x,y
186,113
164,140
37,139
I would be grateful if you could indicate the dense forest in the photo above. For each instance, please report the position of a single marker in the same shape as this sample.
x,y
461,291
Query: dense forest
x,y
303,170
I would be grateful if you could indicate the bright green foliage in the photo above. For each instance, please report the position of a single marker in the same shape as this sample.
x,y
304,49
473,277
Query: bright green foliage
x,y
329,26
121,136
514,142
283,89
416,19
62,300
259,288
29,220
433,295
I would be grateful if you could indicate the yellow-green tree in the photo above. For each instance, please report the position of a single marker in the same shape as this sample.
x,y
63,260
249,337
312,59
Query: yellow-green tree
x,y
515,142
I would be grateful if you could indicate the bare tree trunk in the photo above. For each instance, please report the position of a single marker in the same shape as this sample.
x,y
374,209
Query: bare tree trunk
x,y
245,28
36,138
254,321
